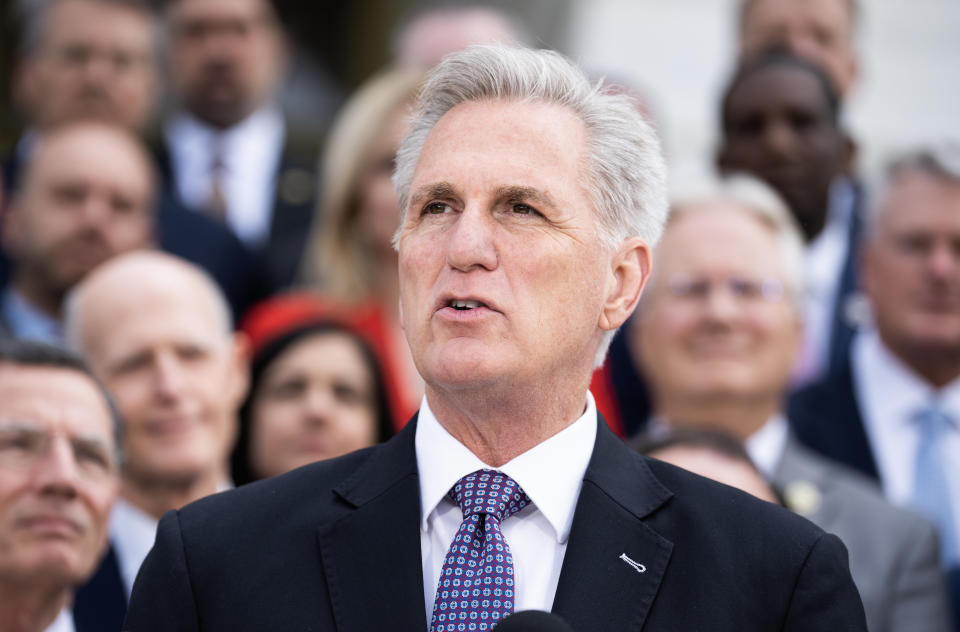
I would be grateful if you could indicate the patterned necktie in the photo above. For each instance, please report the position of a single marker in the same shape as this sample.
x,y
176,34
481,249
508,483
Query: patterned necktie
x,y
476,583
931,491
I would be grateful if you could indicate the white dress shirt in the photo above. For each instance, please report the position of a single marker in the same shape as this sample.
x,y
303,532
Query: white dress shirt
x,y
766,445
824,261
890,394
250,156
132,533
63,622
550,473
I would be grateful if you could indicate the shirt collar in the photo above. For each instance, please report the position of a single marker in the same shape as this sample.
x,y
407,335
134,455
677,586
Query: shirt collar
x,y
902,391
26,321
551,473
255,137
766,445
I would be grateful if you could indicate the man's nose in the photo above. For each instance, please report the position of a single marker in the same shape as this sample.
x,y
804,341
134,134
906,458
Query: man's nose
x,y
169,380
471,240
57,470
721,304
779,138
943,262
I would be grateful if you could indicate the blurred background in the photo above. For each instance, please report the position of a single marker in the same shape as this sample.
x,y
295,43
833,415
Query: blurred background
x,y
678,53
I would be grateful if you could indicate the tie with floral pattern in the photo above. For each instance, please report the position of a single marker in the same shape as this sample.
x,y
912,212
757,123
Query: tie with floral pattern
x,y
475,589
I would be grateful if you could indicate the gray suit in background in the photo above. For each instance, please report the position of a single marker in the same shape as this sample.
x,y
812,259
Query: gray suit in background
x,y
894,555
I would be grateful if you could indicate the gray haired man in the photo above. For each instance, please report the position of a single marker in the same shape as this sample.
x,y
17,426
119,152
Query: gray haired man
x,y
531,200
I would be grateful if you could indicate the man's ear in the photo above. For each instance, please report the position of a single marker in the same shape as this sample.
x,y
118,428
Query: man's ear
x,y
240,369
721,160
10,229
629,271
850,151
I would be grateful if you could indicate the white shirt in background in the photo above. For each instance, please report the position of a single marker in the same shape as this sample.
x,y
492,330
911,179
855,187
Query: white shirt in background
x,y
889,395
251,152
825,257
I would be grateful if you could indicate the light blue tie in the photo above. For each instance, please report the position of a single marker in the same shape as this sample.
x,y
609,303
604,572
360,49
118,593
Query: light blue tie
x,y
931,491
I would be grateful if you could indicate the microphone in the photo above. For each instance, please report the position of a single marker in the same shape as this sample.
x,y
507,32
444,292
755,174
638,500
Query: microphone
x,y
532,621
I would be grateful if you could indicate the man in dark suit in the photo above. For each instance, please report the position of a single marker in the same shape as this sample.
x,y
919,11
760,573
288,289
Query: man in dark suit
x,y
531,200
227,148
877,414
58,480
97,60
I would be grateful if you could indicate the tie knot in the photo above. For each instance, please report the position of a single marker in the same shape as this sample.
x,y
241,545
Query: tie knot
x,y
489,492
933,421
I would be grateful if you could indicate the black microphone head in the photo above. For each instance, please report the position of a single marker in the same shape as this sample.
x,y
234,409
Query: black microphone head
x,y
532,621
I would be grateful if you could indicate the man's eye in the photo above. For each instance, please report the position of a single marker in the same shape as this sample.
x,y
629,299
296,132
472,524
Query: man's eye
x,y
523,209
436,208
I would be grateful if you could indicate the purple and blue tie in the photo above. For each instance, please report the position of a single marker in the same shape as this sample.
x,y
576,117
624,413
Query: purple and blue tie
x,y
475,589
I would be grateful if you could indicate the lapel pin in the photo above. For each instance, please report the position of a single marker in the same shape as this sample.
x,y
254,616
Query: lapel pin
x,y
637,566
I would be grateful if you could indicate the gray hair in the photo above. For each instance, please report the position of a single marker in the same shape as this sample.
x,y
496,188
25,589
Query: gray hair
x,y
37,354
31,18
757,200
940,161
625,173
73,302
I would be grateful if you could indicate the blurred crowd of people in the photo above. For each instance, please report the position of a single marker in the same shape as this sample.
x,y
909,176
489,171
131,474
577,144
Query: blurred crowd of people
x,y
215,301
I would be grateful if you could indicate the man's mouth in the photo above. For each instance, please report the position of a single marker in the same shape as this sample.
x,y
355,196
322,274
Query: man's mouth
x,y
461,305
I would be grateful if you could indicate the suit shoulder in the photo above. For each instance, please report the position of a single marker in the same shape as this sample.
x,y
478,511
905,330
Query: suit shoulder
x,y
704,501
305,492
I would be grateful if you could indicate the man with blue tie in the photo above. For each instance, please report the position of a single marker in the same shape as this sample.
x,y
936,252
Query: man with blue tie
x,y
531,200
893,411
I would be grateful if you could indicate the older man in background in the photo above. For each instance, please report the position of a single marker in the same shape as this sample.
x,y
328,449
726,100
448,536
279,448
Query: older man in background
x,y
717,334
97,60
893,410
157,332
58,479
86,195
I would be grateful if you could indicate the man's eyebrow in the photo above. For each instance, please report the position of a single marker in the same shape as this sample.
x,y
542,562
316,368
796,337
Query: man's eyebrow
x,y
519,192
442,190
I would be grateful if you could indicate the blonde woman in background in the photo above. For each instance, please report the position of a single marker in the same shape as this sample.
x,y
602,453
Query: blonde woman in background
x,y
350,262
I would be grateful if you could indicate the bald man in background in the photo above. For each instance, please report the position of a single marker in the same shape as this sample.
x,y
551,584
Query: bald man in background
x,y
157,332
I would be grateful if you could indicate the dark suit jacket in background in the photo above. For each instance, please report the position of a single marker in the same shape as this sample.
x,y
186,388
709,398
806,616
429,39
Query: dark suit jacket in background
x,y
294,206
336,546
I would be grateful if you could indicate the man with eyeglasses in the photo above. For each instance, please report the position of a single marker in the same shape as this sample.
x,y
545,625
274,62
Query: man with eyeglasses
x,y
716,334
58,481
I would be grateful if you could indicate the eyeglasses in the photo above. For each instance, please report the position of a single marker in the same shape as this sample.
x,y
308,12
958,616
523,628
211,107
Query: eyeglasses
x,y
24,446
741,289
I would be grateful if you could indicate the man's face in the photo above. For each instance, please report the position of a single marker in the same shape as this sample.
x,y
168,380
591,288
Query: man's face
x,y
95,60
57,474
499,223
226,57
912,266
777,126
818,30
717,322
175,373
88,195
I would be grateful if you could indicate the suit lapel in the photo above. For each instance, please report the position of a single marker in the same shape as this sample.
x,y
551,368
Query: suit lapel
x,y
371,557
614,563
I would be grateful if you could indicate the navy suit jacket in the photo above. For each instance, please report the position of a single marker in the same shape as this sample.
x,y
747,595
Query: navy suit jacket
x,y
826,417
294,206
336,546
